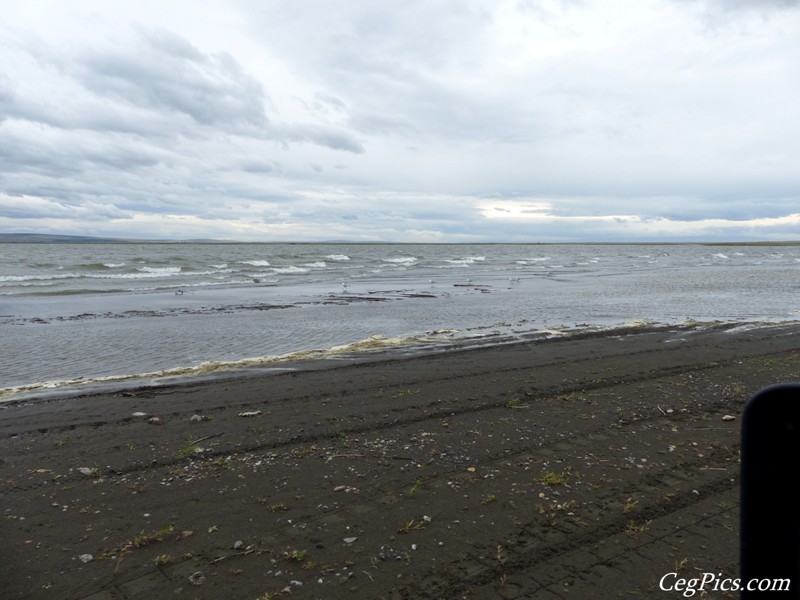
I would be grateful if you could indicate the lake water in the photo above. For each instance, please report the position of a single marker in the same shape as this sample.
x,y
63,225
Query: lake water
x,y
125,314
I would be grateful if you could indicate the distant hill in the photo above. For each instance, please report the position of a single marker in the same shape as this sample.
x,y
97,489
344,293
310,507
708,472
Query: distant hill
x,y
43,238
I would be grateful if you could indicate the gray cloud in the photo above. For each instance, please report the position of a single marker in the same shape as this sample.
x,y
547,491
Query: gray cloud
x,y
738,5
325,136
391,66
367,121
25,147
165,72
27,207
254,166
760,4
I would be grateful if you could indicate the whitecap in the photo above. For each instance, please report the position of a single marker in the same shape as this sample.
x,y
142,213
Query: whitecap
x,y
256,263
406,261
160,271
17,278
338,257
466,260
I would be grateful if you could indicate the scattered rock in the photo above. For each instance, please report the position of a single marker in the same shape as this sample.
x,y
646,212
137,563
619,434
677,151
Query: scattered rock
x,y
197,418
728,418
349,540
88,471
154,421
238,544
197,578
85,558
250,413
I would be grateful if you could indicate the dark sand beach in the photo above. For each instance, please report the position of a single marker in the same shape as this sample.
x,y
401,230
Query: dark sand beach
x,y
581,467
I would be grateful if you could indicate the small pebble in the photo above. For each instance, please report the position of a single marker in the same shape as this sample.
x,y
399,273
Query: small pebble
x,y
238,544
197,578
728,418
349,540
85,558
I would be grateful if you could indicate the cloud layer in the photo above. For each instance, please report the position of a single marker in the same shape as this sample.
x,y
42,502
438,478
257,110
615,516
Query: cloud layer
x,y
444,121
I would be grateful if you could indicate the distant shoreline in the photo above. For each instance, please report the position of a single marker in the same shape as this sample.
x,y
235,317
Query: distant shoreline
x,y
40,238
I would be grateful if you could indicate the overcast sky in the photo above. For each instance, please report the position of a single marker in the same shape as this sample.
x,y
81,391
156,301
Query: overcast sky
x,y
411,121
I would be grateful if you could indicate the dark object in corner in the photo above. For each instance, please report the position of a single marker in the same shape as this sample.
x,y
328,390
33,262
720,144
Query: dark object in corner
x,y
770,508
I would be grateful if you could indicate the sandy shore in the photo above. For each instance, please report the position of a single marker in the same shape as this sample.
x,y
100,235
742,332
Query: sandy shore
x,y
586,467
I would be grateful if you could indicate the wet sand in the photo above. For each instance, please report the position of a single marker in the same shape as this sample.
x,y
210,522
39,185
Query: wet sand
x,y
582,467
